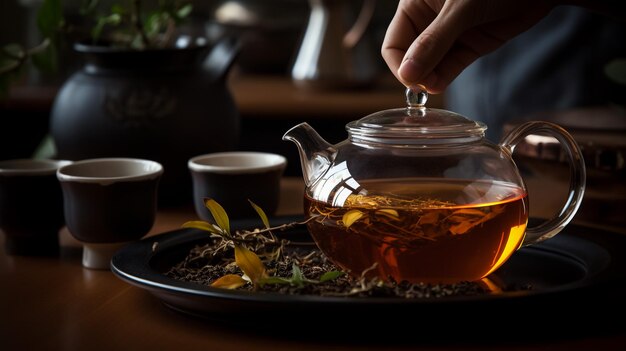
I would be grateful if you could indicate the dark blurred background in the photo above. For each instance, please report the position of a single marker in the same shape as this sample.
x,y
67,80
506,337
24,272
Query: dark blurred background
x,y
270,32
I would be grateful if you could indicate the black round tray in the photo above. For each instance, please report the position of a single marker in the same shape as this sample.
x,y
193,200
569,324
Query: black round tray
x,y
577,280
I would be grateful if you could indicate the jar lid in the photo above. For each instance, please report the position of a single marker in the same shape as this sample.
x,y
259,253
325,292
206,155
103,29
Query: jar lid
x,y
415,124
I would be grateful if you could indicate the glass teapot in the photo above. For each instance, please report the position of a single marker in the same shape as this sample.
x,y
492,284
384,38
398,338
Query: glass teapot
x,y
420,195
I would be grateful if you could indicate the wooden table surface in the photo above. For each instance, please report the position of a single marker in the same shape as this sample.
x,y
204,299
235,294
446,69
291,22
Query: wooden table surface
x,y
55,304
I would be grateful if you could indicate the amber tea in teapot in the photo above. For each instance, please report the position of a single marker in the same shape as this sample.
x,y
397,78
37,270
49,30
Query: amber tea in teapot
x,y
424,231
420,195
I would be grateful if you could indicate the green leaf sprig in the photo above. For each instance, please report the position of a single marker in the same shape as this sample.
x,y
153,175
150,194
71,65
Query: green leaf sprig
x,y
299,280
252,266
129,24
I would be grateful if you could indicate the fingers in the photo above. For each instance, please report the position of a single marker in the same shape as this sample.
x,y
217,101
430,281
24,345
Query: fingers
x,y
455,61
430,42
422,62
410,19
399,36
465,50
419,62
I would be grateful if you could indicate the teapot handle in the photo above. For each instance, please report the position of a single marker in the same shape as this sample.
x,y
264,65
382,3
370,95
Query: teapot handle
x,y
578,176
222,57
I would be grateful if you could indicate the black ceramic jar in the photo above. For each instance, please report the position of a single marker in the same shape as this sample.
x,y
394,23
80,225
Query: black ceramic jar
x,y
165,105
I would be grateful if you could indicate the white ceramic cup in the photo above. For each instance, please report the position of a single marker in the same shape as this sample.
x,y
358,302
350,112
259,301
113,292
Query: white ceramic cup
x,y
109,202
233,178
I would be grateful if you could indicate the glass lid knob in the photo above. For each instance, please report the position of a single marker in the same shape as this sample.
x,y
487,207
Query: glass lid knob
x,y
416,97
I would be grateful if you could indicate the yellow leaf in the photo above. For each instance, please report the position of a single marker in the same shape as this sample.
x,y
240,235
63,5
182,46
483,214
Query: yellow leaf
x,y
229,281
461,228
261,213
350,217
250,264
389,213
458,219
202,225
469,211
218,213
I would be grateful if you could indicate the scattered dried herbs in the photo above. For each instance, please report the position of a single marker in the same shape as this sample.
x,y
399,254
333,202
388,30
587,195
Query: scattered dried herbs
x,y
201,267
257,260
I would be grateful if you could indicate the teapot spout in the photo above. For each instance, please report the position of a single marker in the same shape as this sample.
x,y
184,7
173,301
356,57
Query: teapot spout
x,y
316,154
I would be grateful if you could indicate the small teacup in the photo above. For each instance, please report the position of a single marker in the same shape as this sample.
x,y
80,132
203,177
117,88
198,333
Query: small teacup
x,y
31,206
108,203
233,178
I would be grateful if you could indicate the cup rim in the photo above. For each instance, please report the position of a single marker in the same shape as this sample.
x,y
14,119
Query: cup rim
x,y
31,166
275,162
152,169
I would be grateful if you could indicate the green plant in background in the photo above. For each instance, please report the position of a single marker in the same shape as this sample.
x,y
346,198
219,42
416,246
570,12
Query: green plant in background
x,y
14,57
126,24
131,25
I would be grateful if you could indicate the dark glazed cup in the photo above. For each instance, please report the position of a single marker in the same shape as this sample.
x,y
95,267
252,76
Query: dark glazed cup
x,y
233,178
31,206
109,202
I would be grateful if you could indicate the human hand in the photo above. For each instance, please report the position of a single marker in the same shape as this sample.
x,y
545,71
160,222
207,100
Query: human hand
x,y
429,42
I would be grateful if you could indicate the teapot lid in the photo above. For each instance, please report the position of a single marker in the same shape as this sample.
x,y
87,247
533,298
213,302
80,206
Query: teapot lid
x,y
415,124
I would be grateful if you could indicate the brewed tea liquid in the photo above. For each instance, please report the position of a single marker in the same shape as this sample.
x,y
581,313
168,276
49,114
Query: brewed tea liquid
x,y
422,231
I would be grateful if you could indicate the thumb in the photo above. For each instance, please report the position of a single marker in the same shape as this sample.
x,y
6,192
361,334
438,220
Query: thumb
x,y
430,47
